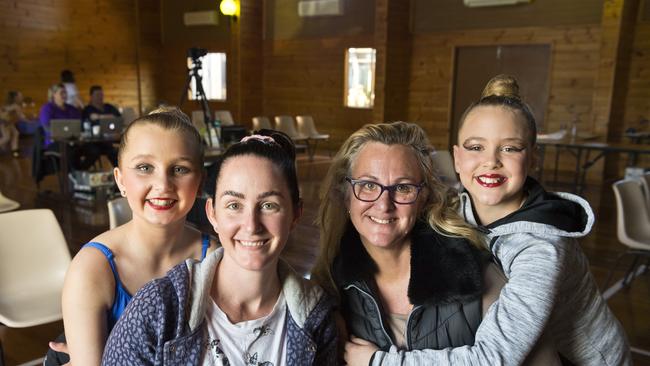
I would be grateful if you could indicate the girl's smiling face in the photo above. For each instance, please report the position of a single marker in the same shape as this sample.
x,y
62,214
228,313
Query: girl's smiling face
x,y
160,174
492,159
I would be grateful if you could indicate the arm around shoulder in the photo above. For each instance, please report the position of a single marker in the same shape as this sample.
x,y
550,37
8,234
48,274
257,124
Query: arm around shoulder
x,y
514,323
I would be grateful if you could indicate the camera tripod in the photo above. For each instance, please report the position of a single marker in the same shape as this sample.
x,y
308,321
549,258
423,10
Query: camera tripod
x,y
193,73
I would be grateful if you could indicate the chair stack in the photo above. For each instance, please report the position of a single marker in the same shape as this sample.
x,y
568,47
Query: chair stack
x,y
303,132
307,127
632,225
261,123
119,212
444,168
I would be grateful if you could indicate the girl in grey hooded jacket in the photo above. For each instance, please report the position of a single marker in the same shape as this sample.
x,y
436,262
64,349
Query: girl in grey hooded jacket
x,y
532,234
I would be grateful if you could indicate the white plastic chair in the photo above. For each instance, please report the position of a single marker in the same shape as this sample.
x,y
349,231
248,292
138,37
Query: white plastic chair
x,y
198,120
119,212
224,117
444,165
307,127
287,125
632,226
34,257
261,122
7,204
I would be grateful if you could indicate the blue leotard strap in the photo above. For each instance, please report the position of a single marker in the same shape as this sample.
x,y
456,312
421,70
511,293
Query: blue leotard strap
x,y
122,296
205,244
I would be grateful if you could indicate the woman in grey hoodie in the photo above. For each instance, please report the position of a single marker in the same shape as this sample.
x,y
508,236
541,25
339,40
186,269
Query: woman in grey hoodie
x,y
532,234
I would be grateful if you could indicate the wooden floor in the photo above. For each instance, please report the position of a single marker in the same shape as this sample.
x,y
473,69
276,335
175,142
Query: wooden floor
x,y
81,221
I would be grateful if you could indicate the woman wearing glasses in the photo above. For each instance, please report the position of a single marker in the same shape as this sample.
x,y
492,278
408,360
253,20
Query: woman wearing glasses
x,y
409,272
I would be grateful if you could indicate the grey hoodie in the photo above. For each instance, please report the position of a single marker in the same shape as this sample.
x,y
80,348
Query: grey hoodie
x,y
550,290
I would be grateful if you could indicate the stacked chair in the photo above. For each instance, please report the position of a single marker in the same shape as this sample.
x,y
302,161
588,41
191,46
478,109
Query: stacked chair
x,y
261,122
307,127
119,212
444,166
632,225
224,117
287,125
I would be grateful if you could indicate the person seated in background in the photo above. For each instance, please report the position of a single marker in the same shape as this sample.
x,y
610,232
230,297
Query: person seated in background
x,y
82,157
10,114
97,109
72,96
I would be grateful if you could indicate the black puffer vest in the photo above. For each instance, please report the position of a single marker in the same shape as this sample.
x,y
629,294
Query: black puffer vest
x,y
445,289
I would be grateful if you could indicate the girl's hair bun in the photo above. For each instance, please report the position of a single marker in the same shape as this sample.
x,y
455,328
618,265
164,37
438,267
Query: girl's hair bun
x,y
502,86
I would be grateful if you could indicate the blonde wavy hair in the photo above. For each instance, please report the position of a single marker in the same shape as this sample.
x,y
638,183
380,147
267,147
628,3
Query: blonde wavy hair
x,y
439,209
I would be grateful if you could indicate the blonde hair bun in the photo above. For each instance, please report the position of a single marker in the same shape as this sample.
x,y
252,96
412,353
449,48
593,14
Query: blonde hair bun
x,y
502,86
174,111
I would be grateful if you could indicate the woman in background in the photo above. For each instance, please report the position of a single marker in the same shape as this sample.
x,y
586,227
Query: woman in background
x,y
10,114
72,96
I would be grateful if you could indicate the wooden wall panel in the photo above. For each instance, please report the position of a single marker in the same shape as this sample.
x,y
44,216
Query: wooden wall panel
x,y
574,63
306,77
178,38
637,106
96,40
446,15
573,66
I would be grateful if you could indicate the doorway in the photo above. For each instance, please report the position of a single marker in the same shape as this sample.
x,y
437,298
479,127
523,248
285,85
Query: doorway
x,y
476,65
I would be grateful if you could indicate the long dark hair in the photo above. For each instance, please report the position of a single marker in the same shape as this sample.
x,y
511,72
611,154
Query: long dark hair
x,y
281,152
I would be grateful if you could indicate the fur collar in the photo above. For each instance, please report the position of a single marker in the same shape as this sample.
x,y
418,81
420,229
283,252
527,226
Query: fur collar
x,y
443,269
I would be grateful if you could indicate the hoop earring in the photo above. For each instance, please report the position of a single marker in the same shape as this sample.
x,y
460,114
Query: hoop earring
x,y
123,193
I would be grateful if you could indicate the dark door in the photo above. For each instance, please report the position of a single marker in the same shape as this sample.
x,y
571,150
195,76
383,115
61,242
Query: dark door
x,y
475,65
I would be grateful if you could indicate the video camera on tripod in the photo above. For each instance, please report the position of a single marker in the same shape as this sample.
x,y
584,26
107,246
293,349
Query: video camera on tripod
x,y
196,54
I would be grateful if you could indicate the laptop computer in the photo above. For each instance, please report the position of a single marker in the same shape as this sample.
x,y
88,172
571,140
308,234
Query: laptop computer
x,y
111,127
65,128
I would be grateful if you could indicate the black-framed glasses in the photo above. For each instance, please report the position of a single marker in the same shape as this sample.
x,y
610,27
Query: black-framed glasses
x,y
369,191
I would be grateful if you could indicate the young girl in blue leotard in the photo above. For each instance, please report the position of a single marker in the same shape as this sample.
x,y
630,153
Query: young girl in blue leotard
x,y
159,172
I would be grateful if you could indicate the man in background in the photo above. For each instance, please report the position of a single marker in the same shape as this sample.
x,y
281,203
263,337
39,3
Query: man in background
x,y
97,109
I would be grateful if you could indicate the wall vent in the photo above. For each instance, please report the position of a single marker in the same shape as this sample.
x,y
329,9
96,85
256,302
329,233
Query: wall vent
x,y
207,17
478,3
315,8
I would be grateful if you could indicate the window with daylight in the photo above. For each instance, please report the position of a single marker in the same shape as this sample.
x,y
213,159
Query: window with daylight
x,y
213,75
360,77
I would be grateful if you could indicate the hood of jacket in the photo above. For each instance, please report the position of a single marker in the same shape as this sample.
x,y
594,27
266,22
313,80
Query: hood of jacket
x,y
301,295
444,269
543,213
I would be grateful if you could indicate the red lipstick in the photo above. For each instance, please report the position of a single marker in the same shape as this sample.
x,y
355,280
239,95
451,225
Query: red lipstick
x,y
490,180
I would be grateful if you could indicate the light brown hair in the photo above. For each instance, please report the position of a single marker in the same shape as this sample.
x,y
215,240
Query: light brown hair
x,y
438,210
168,118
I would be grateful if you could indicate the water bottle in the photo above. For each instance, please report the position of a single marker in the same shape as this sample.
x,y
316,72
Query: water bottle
x,y
574,130
217,127
215,133
87,126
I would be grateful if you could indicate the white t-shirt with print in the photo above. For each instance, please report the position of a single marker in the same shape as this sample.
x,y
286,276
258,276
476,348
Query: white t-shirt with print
x,y
259,342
